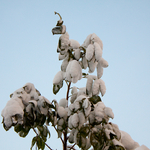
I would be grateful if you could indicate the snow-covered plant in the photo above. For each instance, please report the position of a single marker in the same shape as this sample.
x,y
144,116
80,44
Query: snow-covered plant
x,y
81,118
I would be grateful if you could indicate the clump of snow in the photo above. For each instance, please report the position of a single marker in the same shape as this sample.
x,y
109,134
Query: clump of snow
x,y
21,100
73,71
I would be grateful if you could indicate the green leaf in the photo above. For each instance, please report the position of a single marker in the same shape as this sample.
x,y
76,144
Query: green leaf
x,y
119,147
40,128
40,119
43,132
43,146
24,132
33,142
18,128
40,143
48,132
84,131
81,141
95,99
56,88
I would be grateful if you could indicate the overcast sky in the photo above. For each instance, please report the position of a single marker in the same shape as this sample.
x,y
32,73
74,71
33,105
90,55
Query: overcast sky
x,y
28,54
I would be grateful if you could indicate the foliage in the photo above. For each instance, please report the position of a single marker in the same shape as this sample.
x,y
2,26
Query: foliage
x,y
81,118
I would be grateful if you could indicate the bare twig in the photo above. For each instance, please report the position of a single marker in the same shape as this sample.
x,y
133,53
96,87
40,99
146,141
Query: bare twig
x,y
58,15
42,139
72,147
67,96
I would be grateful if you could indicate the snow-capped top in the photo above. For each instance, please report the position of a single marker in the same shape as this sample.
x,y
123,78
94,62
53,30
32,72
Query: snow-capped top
x,y
95,38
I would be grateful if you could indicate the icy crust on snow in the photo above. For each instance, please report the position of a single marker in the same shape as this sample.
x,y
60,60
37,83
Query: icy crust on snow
x,y
21,100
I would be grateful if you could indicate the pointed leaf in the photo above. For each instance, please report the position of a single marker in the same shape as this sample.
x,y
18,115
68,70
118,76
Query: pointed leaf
x,y
33,142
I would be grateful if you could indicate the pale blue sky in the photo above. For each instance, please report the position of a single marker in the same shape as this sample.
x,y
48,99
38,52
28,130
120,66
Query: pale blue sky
x,y
28,54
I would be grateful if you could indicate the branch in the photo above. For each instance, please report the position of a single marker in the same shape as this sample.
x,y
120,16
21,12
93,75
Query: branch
x,y
67,96
58,15
42,139
72,147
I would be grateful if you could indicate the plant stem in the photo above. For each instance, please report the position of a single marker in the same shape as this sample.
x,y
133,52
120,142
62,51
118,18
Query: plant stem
x,y
42,139
65,141
72,147
67,96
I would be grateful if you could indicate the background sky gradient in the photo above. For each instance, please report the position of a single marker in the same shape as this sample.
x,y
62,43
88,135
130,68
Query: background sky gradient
x,y
28,54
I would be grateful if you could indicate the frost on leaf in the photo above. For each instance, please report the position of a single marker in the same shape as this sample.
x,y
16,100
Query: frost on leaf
x,y
118,144
20,93
58,78
103,63
102,87
89,85
31,90
127,141
65,64
61,57
89,52
62,112
92,65
63,44
99,111
95,38
43,105
73,71
74,94
57,87
82,91
98,51
109,133
12,113
77,54
95,88
115,128
108,112
84,63
87,41
74,44
99,70
75,120
81,119
63,102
